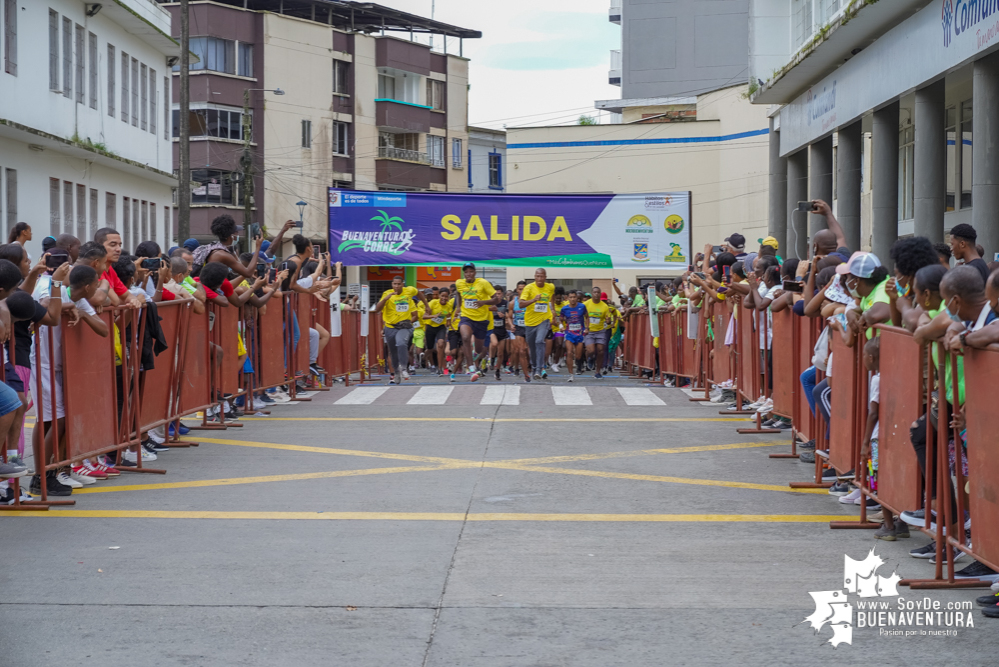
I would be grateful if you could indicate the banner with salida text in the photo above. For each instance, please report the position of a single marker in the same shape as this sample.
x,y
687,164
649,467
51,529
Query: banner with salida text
x,y
649,230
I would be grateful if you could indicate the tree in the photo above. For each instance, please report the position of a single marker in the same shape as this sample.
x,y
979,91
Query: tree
x,y
588,120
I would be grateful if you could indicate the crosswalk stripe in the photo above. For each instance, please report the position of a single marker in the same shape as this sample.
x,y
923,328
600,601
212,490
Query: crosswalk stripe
x,y
501,395
571,396
639,396
362,396
431,396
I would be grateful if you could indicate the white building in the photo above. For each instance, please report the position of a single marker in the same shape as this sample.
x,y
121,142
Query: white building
x,y
84,119
486,160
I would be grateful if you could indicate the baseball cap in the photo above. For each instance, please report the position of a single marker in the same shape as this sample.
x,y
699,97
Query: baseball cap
x,y
603,295
737,241
191,244
860,264
264,246
770,241
264,258
47,243
468,265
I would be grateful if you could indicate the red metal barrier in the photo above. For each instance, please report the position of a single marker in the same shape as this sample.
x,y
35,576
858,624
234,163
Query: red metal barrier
x,y
195,372
89,431
785,380
160,382
849,391
268,364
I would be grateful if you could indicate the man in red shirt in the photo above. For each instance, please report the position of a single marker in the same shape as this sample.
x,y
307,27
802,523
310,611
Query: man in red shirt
x,y
119,295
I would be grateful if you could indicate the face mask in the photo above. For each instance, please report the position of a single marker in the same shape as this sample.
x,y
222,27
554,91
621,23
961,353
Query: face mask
x,y
908,289
853,291
950,314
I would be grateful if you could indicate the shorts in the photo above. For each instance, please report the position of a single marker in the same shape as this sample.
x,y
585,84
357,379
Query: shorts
x,y
596,337
520,332
419,337
575,339
434,334
9,402
45,401
499,332
480,328
549,335
12,379
454,339
559,334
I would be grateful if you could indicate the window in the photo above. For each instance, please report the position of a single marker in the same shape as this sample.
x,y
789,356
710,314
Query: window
x,y
152,221
126,219
112,64
966,153
81,212
135,222
306,134
953,153
135,92
435,150
81,65
386,87
152,101
213,122
340,138
125,96
456,153
10,37
93,214
145,222
245,60
166,107
435,94
53,51
54,208
495,171
216,55
110,209
11,198
144,99
214,187
92,52
340,77
67,207
67,58
906,145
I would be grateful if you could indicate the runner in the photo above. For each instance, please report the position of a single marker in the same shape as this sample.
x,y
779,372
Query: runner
x,y
398,321
573,317
453,335
436,319
558,329
419,334
475,296
520,354
499,335
536,298
598,313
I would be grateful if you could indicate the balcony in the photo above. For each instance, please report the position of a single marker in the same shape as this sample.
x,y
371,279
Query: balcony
x,y
614,75
404,175
393,153
615,12
407,116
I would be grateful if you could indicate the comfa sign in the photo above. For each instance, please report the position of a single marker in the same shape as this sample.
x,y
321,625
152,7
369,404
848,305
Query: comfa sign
x,y
444,229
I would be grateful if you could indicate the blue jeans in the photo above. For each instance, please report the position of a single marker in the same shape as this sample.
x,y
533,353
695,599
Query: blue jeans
x,y
808,384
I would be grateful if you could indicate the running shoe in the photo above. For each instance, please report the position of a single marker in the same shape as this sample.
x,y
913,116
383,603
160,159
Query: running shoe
x,y
497,373
925,551
597,375
475,376
451,377
81,475
571,378
405,375
19,462
977,571
63,478
9,471
544,374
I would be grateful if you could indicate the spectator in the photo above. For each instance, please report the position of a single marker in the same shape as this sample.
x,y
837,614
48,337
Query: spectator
x,y
115,291
865,280
962,246
226,232
910,255
943,251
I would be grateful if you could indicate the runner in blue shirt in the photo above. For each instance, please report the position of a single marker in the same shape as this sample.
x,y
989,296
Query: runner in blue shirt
x,y
574,318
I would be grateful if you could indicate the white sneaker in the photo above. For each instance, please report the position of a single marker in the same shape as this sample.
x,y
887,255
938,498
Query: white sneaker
x,y
850,498
554,368
152,436
82,479
405,375
280,396
131,458
66,480
766,408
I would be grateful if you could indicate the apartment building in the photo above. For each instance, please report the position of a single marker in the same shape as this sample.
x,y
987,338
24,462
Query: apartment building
x,y
340,93
84,119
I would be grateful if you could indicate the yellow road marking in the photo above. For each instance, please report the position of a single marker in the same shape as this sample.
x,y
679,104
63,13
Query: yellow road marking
x,y
332,450
433,516
232,481
642,452
487,420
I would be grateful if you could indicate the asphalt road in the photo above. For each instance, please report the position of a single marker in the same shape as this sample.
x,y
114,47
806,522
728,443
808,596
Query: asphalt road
x,y
419,526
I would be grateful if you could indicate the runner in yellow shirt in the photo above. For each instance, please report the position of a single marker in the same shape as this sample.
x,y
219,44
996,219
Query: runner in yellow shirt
x,y
398,309
598,314
436,319
475,296
536,298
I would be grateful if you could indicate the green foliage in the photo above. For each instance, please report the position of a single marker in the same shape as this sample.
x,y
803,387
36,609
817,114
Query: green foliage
x,y
587,120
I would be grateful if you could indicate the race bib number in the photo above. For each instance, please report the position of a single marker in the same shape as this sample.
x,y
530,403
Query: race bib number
x,y
402,307
437,320
541,307
595,319
497,322
519,321
575,328
471,304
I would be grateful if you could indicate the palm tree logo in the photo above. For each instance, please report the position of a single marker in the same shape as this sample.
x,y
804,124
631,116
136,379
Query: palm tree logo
x,y
386,222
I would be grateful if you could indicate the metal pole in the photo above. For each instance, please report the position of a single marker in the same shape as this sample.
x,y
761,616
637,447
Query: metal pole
x,y
184,189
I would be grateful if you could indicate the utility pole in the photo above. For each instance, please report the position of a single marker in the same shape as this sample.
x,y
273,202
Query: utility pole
x,y
184,189
246,163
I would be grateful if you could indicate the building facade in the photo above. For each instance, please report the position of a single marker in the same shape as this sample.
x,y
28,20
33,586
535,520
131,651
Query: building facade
x,y
486,160
84,119
356,109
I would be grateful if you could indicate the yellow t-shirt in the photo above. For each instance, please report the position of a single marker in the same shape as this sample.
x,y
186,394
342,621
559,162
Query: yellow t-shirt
x,y
472,296
420,309
599,314
539,311
398,307
452,322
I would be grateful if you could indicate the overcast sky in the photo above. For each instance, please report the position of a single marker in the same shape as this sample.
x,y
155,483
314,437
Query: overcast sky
x,y
539,62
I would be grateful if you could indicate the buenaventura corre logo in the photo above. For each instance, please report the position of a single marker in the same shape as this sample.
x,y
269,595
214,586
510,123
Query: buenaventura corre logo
x,y
876,604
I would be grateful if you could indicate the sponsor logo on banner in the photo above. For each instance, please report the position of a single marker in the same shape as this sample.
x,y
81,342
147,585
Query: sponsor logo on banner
x,y
676,254
639,224
959,16
334,198
641,253
657,202
947,19
673,224
821,106
391,238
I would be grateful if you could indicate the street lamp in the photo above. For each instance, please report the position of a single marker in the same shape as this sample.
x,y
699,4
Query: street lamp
x,y
246,162
301,211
